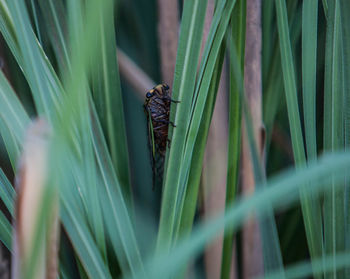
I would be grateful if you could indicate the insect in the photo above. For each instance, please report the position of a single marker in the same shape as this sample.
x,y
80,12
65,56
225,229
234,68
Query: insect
x,y
157,109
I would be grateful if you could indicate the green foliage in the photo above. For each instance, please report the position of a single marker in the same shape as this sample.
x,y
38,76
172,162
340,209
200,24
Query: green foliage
x,y
67,52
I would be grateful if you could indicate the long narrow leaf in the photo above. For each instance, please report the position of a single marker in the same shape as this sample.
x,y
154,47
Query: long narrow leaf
x,y
184,83
310,206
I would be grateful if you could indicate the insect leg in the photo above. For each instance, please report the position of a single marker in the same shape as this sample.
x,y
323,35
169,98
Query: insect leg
x,y
164,121
170,100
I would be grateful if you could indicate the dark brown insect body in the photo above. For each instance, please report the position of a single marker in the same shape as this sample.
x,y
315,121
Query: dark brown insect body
x,y
157,109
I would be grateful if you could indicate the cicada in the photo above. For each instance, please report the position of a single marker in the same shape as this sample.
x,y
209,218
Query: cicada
x,y
157,109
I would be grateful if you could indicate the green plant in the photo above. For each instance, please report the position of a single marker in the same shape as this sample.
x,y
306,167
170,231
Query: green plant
x,y
61,65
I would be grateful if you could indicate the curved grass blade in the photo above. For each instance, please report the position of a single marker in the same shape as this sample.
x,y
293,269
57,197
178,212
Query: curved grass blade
x,y
279,192
320,265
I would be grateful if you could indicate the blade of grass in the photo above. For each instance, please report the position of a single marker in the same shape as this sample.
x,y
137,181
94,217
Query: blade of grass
x,y
184,83
200,98
189,208
5,231
55,18
334,219
83,242
309,51
114,207
319,265
310,206
273,84
7,193
32,58
10,143
36,21
108,98
234,145
345,21
113,204
11,110
279,192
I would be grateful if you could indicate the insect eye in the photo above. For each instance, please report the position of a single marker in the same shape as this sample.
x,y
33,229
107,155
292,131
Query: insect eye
x,y
165,86
149,95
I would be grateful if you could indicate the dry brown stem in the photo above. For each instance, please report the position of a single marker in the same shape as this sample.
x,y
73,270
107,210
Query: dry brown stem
x,y
252,250
137,78
168,29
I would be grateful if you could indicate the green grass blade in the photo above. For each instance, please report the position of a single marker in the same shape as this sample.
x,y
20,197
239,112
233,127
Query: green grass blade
x,y
11,110
200,99
10,142
5,231
7,193
334,201
83,242
345,22
279,192
115,209
310,206
234,140
107,97
273,83
185,223
32,59
55,18
305,269
309,51
183,88
36,21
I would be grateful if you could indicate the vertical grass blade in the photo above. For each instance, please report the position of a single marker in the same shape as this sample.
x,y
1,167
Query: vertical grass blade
x,y
310,208
186,221
334,218
237,26
183,88
107,96
201,97
309,52
345,23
